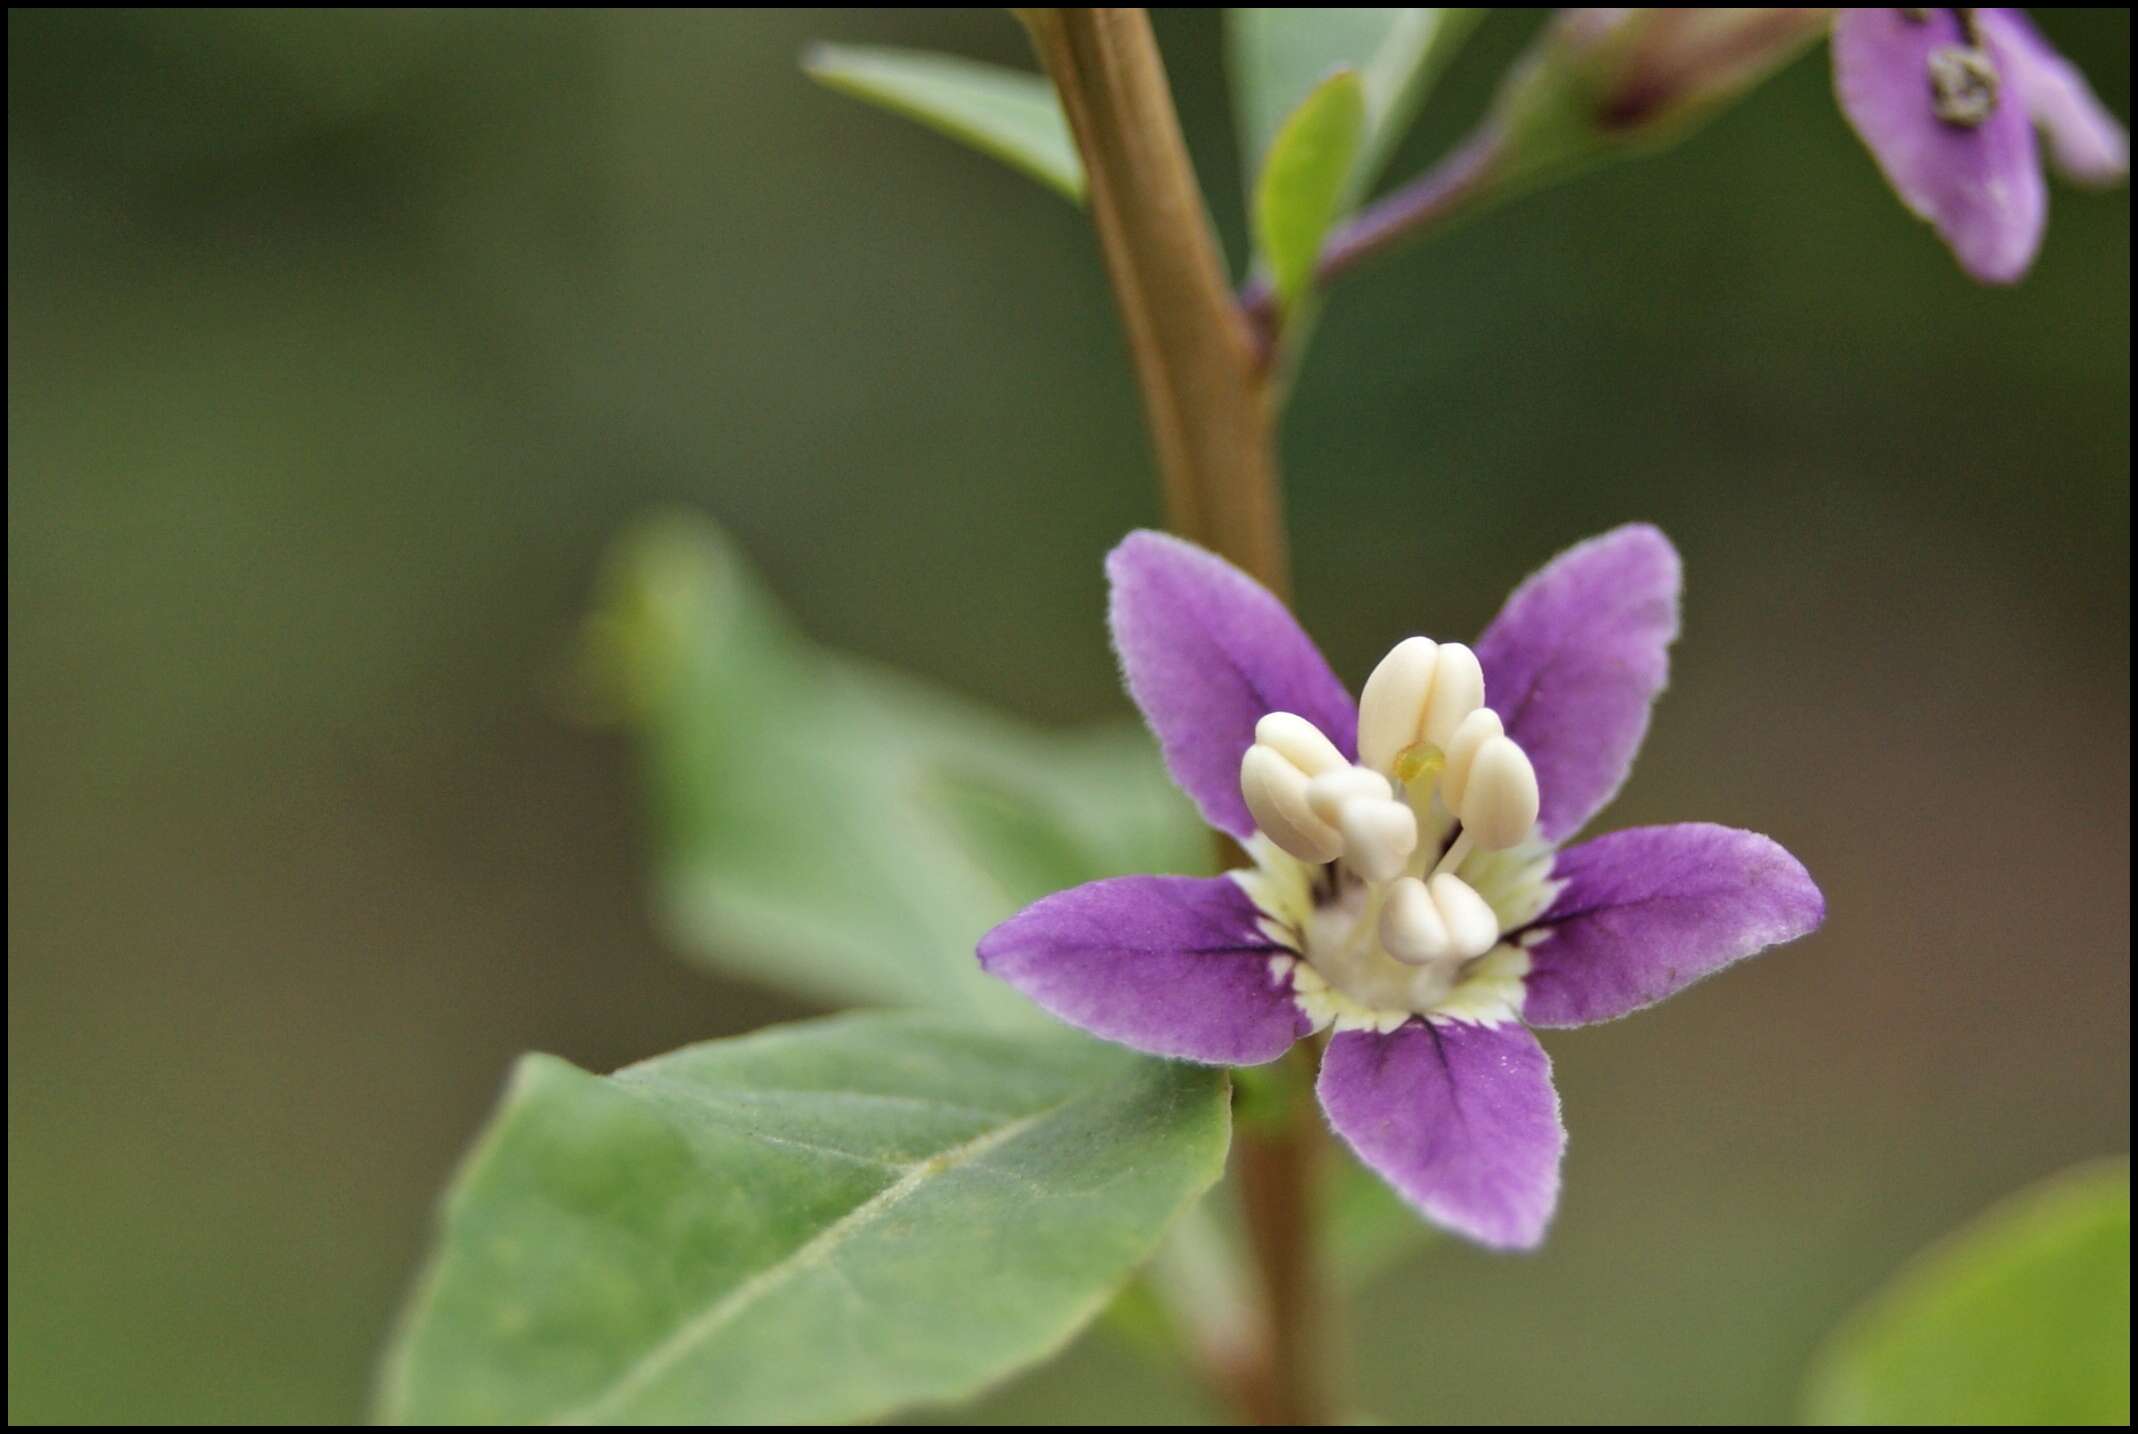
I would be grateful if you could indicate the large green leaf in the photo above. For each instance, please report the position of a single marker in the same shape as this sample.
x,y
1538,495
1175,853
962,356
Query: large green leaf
x,y
1276,58
830,826
1010,114
824,1222
2023,1317
1304,184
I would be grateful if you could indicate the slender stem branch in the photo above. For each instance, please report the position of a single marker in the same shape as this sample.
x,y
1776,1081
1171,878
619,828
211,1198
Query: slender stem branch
x,y
1206,393
1278,1171
1439,194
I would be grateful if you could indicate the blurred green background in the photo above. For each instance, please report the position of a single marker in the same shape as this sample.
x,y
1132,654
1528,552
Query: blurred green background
x,y
340,344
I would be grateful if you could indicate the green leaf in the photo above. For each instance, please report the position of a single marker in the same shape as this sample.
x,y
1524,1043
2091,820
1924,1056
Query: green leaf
x,y
1056,809
824,1222
1368,1229
830,826
1278,57
2023,1317
1303,185
1009,114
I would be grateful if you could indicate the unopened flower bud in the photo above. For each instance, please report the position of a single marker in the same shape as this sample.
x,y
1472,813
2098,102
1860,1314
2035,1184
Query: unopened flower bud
x,y
1603,79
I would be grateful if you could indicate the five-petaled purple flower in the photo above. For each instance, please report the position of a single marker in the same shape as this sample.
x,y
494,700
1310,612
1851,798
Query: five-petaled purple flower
x,y
1409,890
1947,101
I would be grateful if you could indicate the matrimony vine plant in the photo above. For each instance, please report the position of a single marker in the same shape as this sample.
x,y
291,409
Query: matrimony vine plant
x,y
847,1217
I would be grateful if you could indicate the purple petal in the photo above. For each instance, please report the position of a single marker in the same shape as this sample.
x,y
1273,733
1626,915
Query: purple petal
x,y
1980,186
1647,912
1208,652
2086,143
1574,661
1461,1119
1174,965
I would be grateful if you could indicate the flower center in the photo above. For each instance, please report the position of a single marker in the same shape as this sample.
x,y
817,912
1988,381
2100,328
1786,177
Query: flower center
x,y
1963,78
1393,879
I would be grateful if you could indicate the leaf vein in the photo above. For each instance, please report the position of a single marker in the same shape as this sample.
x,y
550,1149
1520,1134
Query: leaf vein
x,y
817,1250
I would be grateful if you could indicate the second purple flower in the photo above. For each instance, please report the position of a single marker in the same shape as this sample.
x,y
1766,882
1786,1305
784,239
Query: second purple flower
x,y
1947,101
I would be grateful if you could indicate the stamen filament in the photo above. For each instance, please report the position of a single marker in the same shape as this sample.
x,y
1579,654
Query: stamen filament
x,y
1368,924
1456,853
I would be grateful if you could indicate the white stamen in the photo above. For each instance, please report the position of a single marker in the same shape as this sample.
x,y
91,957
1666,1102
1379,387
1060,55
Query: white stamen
x,y
1276,793
1457,853
1458,690
1471,923
1420,692
1441,920
1329,793
1393,698
1499,803
1379,836
1412,929
1300,742
1477,729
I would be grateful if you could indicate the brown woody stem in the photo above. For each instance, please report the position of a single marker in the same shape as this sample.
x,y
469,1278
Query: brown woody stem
x,y
1206,394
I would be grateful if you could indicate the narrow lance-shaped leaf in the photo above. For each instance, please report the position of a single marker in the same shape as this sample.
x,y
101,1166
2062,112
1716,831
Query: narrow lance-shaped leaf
x,y
826,1222
1010,114
1301,192
1276,57
2022,1318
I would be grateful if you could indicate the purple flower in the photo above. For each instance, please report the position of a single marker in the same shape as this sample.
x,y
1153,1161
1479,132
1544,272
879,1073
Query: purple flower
x,y
1418,904
1947,101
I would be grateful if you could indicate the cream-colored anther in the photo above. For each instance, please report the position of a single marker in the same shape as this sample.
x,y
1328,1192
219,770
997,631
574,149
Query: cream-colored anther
x,y
1476,729
1276,793
1458,690
1299,742
1438,920
1412,928
1499,800
1421,692
1393,699
1472,925
1329,793
1379,836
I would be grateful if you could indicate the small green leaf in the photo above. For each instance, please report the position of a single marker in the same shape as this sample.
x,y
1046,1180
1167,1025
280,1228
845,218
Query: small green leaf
x,y
824,1222
2023,1317
1009,114
1303,185
1277,57
830,826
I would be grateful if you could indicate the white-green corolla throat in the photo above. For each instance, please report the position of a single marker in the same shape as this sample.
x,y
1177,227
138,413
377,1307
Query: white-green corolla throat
x,y
1398,880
